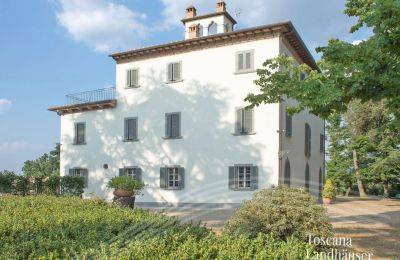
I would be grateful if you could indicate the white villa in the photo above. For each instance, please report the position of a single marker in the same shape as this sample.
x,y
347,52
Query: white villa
x,y
176,119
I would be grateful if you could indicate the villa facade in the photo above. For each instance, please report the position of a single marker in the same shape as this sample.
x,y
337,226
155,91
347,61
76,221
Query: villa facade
x,y
177,119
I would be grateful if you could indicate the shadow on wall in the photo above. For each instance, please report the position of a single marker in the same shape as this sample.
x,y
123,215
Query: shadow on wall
x,y
206,151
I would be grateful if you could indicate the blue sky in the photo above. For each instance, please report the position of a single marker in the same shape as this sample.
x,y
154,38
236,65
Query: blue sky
x,y
50,48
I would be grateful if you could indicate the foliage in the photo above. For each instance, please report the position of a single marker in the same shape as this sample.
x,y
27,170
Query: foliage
x,y
388,169
67,227
368,71
45,165
329,190
125,183
282,212
6,181
72,185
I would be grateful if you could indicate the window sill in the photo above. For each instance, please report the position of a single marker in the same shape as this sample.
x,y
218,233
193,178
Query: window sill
x,y
243,189
244,72
174,81
79,143
131,87
130,141
240,134
172,138
172,188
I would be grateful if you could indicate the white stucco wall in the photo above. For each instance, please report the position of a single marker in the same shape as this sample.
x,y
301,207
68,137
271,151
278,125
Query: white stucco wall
x,y
207,98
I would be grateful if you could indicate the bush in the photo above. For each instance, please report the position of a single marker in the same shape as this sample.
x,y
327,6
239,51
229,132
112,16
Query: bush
x,y
125,183
72,185
283,212
329,190
6,181
68,227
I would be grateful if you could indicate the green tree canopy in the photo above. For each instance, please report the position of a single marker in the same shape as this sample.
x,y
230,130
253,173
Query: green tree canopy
x,y
45,165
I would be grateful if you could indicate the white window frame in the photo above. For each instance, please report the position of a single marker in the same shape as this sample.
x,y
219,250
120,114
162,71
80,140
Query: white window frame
x,y
174,80
173,172
245,179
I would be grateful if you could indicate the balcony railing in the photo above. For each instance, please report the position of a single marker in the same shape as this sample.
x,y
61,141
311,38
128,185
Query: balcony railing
x,y
90,96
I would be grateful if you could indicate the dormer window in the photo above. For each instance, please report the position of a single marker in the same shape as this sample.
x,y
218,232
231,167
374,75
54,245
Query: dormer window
x,y
212,28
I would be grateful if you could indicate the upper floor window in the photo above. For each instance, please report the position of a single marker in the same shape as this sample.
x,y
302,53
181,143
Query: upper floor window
x,y
289,119
243,177
245,61
174,71
80,133
200,30
244,121
172,177
132,171
307,139
173,125
132,78
212,28
130,129
80,172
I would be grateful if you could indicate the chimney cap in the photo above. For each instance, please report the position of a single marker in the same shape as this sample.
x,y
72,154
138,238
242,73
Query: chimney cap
x,y
191,7
221,6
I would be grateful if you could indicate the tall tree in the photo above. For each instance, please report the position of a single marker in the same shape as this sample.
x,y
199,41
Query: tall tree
x,y
45,165
367,71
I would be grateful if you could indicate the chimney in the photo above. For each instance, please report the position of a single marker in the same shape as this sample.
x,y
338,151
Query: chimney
x,y
190,12
221,6
193,31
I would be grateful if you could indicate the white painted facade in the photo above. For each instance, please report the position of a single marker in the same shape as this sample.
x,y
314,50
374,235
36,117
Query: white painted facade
x,y
206,97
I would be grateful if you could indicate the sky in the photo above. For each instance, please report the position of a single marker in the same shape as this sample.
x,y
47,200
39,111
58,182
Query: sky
x,y
50,48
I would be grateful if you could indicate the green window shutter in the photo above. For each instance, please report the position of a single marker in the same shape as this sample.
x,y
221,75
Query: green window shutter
x,y
163,177
170,71
128,78
254,178
289,120
80,133
121,172
248,120
177,71
135,77
181,174
248,60
240,62
239,121
168,118
70,172
138,174
175,125
232,178
307,144
322,143
85,174
307,178
130,129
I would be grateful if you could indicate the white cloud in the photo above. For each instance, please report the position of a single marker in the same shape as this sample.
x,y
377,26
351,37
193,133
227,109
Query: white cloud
x,y
103,25
357,42
5,105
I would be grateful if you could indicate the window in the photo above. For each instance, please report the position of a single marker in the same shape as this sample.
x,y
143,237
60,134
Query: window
x,y
302,76
286,177
243,177
200,30
132,171
174,71
172,125
130,129
245,61
288,131
320,183
80,172
307,144
244,121
307,178
132,78
322,143
212,28
172,177
80,129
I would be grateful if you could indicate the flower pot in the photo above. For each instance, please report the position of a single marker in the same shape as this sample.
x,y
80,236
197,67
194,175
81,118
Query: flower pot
x,y
327,201
124,193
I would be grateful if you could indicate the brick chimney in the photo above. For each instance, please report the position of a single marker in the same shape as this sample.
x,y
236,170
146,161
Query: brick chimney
x,y
193,31
221,6
191,12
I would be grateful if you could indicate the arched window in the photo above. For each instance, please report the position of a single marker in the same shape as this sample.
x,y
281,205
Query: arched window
x,y
320,183
307,178
212,28
200,30
286,177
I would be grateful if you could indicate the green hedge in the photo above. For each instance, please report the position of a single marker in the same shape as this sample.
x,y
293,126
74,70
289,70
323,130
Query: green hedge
x,y
69,227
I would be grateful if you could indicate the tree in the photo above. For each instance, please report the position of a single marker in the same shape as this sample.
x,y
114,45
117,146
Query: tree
x,y
45,165
369,71
387,170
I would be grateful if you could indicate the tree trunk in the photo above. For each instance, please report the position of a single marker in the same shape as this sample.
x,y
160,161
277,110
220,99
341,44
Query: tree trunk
x,y
386,189
359,182
348,191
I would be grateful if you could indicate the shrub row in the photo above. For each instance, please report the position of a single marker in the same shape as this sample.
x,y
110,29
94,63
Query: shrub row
x,y
69,227
34,185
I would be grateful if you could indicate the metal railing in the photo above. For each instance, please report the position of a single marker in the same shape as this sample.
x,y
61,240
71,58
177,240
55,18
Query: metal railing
x,y
91,96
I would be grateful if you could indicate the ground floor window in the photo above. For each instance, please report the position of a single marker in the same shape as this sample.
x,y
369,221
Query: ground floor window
x,y
132,171
172,177
80,172
243,177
